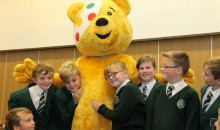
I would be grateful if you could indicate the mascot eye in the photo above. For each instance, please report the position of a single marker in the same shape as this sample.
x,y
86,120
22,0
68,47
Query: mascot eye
x,y
109,13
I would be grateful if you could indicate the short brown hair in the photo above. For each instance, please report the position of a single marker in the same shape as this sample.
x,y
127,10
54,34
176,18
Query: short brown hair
x,y
12,119
39,68
118,65
213,65
180,58
68,68
146,58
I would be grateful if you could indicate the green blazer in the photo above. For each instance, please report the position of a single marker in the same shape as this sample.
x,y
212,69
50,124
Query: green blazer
x,y
22,98
63,109
209,118
148,106
129,109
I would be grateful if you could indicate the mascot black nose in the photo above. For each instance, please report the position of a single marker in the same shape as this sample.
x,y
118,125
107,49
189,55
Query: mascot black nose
x,y
102,22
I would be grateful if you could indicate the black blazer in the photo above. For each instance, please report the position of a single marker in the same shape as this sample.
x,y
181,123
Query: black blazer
x,y
22,98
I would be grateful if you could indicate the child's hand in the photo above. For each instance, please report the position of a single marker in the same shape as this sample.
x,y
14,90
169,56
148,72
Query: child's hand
x,y
96,105
77,95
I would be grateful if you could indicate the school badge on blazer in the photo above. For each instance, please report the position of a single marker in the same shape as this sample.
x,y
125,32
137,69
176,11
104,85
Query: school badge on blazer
x,y
116,100
212,123
180,104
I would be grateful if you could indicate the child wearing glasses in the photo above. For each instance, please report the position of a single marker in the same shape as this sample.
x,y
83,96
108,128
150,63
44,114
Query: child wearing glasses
x,y
210,93
175,106
129,108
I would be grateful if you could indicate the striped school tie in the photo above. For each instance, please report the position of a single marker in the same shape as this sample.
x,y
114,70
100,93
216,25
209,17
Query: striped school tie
x,y
144,92
41,103
169,90
207,101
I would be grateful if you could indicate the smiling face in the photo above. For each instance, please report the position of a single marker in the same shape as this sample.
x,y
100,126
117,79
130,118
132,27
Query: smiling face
x,y
105,34
116,73
146,71
73,83
43,80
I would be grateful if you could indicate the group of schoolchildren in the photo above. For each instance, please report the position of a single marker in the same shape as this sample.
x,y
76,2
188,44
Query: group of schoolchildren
x,y
146,106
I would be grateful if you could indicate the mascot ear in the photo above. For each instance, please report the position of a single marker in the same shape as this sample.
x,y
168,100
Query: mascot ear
x,y
73,11
124,5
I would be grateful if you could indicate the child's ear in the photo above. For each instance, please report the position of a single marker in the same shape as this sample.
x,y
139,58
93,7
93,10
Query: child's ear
x,y
179,70
34,79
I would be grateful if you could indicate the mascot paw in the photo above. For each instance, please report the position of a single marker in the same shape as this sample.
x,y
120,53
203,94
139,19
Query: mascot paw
x,y
189,77
23,72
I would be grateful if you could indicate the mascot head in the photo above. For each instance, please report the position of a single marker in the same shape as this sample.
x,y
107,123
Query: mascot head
x,y
101,27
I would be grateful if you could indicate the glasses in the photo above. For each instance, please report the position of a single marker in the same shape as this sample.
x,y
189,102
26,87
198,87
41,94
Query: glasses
x,y
113,74
166,67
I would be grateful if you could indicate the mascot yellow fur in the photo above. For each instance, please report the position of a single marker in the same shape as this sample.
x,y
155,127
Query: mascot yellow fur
x,y
102,31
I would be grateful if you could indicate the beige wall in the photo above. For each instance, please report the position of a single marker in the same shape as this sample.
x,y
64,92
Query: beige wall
x,y
199,49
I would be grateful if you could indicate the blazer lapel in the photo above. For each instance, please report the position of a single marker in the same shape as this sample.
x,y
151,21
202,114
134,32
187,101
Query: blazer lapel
x,y
212,110
28,100
203,90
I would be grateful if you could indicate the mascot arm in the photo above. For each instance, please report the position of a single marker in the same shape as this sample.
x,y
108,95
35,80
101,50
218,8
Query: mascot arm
x,y
23,73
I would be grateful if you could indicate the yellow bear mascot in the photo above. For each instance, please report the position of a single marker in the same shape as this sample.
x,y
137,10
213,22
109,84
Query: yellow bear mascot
x,y
101,32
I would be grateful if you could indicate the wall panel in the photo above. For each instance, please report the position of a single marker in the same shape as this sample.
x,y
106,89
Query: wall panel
x,y
56,57
137,49
216,46
2,82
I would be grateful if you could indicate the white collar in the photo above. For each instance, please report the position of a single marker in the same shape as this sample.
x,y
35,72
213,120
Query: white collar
x,y
150,84
122,85
177,86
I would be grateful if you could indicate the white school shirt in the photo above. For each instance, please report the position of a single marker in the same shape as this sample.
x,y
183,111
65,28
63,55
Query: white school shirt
x,y
177,87
35,92
122,85
149,86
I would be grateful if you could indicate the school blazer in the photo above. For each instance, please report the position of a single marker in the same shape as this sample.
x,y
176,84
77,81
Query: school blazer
x,y
22,98
63,109
209,118
148,102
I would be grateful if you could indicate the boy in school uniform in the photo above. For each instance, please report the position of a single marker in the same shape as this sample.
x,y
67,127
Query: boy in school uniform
x,y
146,67
20,118
210,93
37,96
175,106
129,109
66,99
